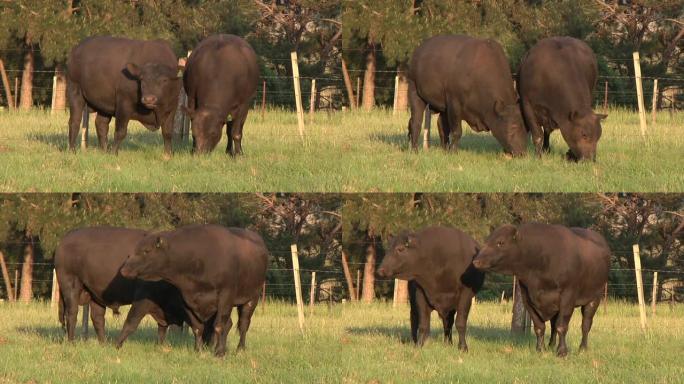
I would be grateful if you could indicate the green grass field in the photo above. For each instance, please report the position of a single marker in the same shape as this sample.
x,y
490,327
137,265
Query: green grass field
x,y
342,152
347,344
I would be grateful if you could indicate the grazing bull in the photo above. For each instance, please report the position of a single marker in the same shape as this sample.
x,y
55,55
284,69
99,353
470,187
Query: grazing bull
x,y
87,262
437,261
125,79
559,268
214,268
557,80
465,78
220,79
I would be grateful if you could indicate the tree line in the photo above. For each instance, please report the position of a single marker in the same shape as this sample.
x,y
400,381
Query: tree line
x,y
344,236
364,41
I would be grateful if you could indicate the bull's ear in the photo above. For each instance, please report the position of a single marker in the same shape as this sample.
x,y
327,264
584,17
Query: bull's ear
x,y
499,108
573,115
133,70
601,116
160,243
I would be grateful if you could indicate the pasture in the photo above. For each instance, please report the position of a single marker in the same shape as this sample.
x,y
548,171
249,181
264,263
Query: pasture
x,y
347,343
341,152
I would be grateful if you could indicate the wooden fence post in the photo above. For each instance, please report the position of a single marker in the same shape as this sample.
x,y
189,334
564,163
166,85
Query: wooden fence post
x,y
16,92
54,95
312,293
298,93
84,320
640,285
263,99
605,298
358,91
54,298
312,101
358,284
640,93
654,293
84,129
298,286
654,102
263,296
348,277
16,283
426,129
605,98
394,297
396,95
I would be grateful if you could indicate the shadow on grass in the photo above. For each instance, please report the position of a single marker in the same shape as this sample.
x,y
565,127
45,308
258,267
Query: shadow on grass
x,y
134,142
470,142
174,337
488,334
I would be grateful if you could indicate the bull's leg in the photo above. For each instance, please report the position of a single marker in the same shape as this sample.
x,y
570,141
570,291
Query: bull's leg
x,y
120,131
167,134
588,312
161,333
417,106
443,129
137,312
102,129
537,321
234,130
76,106
533,126
422,309
245,312
97,314
414,312
448,325
222,325
552,339
547,140
564,315
454,120
70,290
462,313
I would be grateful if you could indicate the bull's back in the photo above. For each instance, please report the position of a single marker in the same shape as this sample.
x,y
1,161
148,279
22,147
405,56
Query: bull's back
x,y
222,66
557,64
94,256
460,65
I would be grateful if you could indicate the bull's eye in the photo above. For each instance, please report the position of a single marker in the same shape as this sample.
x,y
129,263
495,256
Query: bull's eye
x,y
401,248
499,243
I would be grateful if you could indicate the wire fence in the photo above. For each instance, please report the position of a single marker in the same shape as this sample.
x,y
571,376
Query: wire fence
x,y
331,283
331,92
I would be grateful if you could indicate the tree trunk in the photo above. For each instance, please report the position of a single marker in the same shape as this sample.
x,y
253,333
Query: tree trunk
x,y
348,85
519,320
348,277
369,269
402,291
369,78
402,90
26,102
60,89
26,292
6,278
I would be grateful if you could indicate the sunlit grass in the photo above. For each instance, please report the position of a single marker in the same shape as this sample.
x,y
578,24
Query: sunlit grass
x,y
347,343
341,152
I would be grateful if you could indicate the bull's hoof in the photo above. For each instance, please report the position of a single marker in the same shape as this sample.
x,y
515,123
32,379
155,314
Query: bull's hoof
x,y
167,156
562,353
463,347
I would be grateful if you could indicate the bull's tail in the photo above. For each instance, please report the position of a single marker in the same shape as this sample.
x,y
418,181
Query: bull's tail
x,y
62,312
